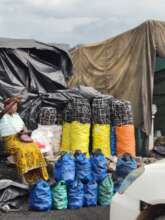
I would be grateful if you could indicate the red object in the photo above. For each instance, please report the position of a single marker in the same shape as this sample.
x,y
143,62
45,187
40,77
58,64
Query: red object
x,y
41,146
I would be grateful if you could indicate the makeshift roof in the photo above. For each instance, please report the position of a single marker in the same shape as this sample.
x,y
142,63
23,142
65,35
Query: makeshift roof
x,y
123,66
23,43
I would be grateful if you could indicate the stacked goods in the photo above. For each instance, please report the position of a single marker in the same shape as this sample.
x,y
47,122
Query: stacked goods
x,y
122,119
82,177
50,116
83,167
90,193
66,131
99,166
49,131
125,165
76,195
76,128
59,196
65,169
121,112
106,191
101,124
40,197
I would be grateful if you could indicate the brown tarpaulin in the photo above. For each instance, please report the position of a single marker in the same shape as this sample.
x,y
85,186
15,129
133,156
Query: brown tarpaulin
x,y
123,66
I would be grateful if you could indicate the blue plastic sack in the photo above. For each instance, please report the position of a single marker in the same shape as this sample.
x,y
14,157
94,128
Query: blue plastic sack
x,y
99,167
65,169
40,198
75,195
90,193
83,168
113,141
125,165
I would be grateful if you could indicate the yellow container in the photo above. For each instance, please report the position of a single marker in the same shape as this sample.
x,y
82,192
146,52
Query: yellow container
x,y
80,133
66,137
101,138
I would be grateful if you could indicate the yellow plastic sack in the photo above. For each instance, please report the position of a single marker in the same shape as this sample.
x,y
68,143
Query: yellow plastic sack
x,y
66,137
101,138
80,137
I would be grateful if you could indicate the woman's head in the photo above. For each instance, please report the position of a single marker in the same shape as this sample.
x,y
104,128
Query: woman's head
x,y
13,108
10,104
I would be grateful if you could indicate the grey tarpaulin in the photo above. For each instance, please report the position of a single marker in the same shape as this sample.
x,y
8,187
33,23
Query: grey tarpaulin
x,y
32,69
123,66
10,194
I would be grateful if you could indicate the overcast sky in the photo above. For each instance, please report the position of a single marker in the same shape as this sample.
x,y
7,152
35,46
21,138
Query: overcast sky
x,y
74,21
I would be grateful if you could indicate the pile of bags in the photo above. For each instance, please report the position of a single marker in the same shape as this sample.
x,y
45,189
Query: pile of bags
x,y
80,181
101,122
106,124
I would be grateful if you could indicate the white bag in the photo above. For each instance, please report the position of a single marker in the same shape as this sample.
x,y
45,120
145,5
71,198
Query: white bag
x,y
49,136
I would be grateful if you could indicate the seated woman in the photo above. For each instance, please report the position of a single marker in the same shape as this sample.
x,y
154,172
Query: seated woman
x,y
28,158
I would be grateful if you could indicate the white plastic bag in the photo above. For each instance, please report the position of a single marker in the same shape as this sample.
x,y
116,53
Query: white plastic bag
x,y
48,137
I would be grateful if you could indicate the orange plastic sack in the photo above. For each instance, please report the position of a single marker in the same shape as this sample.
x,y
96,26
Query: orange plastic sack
x,y
125,140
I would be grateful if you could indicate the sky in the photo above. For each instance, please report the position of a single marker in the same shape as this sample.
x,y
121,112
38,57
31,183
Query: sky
x,y
75,21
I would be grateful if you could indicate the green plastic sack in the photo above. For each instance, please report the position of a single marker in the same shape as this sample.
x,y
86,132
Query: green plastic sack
x,y
59,194
106,189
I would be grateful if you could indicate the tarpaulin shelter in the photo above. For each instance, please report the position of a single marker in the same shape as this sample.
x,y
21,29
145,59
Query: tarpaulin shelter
x,y
123,66
34,70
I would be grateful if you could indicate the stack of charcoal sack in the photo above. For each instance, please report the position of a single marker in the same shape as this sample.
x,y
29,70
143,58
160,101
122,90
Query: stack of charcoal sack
x,y
79,181
101,124
49,131
122,128
76,125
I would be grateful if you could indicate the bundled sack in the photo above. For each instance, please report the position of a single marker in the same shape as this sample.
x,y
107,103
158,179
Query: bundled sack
x,y
66,137
101,110
59,194
125,140
83,167
121,112
40,197
90,194
125,165
113,141
80,137
48,116
101,138
75,195
81,110
99,166
65,169
106,189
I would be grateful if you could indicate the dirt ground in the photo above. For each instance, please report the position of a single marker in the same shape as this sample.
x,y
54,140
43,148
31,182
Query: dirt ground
x,y
92,213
